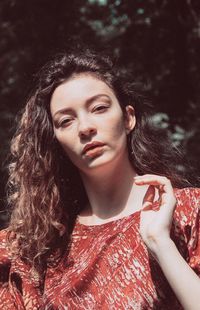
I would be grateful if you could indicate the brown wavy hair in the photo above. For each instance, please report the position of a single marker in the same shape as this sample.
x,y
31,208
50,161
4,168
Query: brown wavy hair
x,y
45,190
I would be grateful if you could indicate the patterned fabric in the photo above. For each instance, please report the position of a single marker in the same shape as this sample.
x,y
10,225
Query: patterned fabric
x,y
106,266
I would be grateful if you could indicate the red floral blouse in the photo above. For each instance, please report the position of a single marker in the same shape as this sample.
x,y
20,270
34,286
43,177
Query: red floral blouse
x,y
107,266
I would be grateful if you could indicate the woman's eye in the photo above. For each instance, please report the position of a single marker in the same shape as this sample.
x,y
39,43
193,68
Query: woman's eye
x,y
65,122
100,108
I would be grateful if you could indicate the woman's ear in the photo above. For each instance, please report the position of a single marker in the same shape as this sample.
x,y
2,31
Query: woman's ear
x,y
130,119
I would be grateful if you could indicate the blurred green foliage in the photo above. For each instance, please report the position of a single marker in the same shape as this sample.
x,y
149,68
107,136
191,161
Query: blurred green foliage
x,y
158,39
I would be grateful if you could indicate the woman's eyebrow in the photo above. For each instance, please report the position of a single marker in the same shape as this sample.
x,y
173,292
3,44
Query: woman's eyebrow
x,y
62,111
96,97
87,102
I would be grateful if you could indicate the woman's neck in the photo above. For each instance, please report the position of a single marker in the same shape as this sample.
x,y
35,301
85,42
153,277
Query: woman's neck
x,y
111,195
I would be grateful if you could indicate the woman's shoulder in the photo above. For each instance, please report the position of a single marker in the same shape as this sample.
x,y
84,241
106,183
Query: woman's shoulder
x,y
187,193
187,224
3,234
189,196
4,249
187,211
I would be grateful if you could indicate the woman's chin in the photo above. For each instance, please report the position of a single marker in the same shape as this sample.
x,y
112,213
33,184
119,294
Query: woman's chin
x,y
100,164
97,161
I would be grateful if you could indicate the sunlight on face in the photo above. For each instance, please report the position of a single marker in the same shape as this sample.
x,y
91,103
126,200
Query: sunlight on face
x,y
88,122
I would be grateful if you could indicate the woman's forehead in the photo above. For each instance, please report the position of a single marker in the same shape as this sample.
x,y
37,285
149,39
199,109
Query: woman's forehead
x,y
78,89
83,80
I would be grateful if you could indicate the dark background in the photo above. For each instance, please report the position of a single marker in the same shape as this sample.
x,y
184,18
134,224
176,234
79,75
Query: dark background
x,y
159,40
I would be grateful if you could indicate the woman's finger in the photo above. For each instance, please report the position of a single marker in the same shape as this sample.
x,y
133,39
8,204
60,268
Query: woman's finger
x,y
148,198
164,186
159,181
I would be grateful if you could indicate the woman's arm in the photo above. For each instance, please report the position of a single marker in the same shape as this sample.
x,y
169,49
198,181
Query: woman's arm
x,y
182,279
155,228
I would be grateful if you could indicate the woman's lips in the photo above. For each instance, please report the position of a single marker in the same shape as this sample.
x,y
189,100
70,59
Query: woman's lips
x,y
95,151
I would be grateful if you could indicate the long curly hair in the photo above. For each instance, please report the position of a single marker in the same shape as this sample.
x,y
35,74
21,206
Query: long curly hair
x,y
45,191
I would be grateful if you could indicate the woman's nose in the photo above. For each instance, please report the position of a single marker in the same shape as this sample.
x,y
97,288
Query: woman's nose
x,y
86,129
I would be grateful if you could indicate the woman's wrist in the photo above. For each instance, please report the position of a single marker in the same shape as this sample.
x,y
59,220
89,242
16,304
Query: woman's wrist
x,y
160,246
182,279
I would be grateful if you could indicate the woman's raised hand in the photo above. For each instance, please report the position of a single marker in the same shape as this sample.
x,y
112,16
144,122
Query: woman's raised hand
x,y
155,223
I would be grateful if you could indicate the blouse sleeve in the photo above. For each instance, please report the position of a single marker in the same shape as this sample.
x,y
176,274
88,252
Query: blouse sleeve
x,y
187,225
18,288
6,297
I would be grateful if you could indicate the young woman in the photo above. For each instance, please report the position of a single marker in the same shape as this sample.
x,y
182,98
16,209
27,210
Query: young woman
x,y
98,221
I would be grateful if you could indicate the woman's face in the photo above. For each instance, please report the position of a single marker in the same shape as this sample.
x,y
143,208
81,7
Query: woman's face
x,y
89,123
